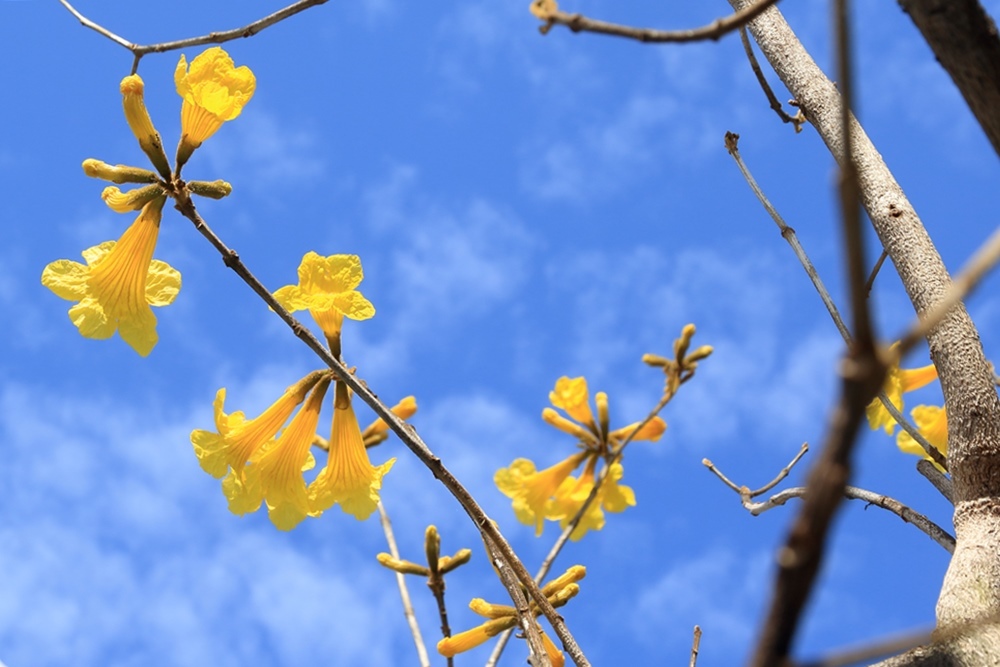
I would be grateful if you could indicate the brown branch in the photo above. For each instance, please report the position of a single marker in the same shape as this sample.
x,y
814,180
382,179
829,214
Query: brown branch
x,y
798,120
870,283
865,654
964,40
714,30
695,646
248,30
406,433
537,656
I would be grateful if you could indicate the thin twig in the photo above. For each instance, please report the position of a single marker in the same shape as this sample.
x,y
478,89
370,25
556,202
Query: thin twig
x,y
248,30
404,593
984,259
695,646
788,233
870,283
406,433
713,31
798,120
782,474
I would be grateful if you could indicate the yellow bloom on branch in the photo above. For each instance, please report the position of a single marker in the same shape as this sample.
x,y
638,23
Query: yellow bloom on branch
x,y
531,491
118,284
897,382
571,395
214,91
236,440
932,422
328,290
276,474
572,493
349,479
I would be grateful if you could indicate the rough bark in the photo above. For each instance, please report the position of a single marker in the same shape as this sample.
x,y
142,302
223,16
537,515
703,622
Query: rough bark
x,y
964,40
971,590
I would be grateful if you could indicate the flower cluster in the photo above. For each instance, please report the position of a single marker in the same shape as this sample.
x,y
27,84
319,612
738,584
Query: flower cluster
x,y
120,280
261,463
553,493
502,617
931,421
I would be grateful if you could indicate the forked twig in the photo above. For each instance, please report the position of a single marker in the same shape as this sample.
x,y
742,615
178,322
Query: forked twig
x,y
798,120
404,593
931,529
714,30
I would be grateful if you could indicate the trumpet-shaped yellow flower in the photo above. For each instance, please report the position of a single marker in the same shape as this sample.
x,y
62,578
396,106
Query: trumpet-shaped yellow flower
x,y
378,430
214,91
141,124
932,422
572,493
571,395
349,479
651,431
897,382
327,289
532,490
276,474
119,283
237,440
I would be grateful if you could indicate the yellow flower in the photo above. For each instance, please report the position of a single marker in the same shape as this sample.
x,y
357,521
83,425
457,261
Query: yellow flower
x,y
556,656
378,430
236,440
651,431
327,289
932,422
897,383
571,395
141,124
119,283
572,493
276,474
214,91
532,490
349,478
470,639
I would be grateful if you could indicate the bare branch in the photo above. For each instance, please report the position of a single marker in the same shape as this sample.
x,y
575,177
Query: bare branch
x,y
404,593
714,30
798,120
248,30
529,624
788,233
782,474
870,283
940,481
695,647
931,529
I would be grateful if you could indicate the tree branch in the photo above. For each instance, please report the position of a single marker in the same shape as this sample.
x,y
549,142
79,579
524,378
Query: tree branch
x,y
714,30
404,593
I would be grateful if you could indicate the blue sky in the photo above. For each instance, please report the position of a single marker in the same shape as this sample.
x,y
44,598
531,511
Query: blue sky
x,y
525,208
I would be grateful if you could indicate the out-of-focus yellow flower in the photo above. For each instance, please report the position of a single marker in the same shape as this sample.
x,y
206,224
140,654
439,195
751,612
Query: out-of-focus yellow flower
x,y
119,283
897,382
572,493
932,422
328,290
236,439
275,475
349,479
214,91
556,656
141,124
651,431
531,490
